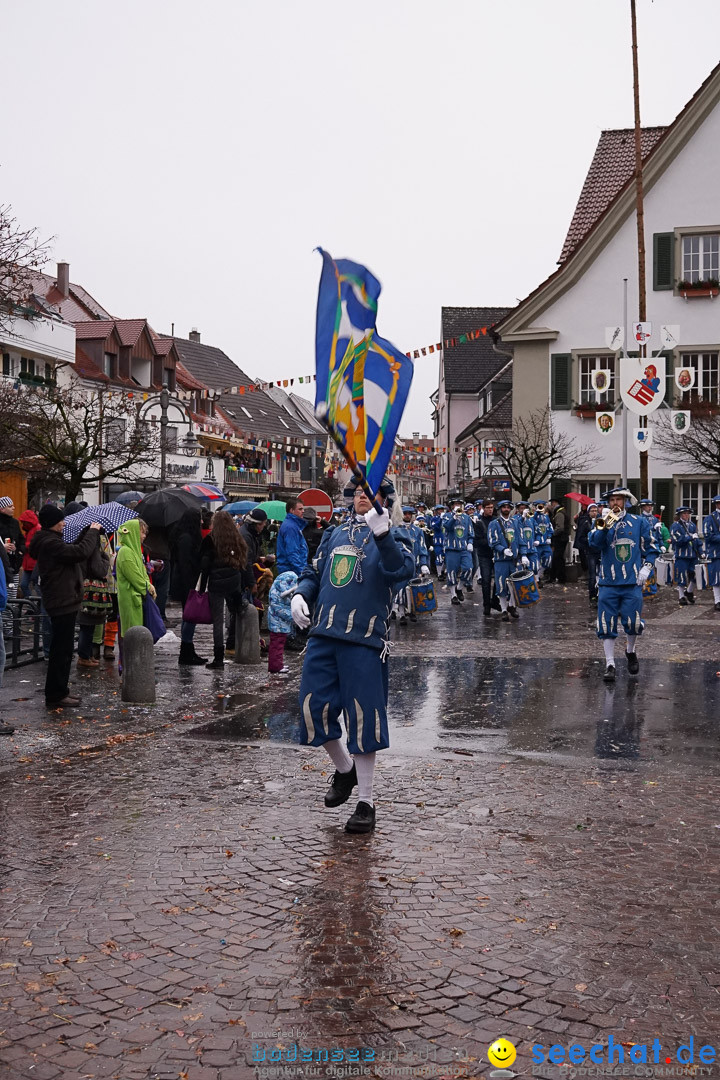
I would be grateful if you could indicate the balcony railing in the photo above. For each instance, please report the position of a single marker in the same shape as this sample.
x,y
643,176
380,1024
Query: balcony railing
x,y
247,478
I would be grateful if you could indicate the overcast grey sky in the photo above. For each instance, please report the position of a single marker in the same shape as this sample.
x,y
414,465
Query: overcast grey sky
x,y
188,157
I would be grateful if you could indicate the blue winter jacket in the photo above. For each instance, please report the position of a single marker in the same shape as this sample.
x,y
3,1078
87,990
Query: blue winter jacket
x,y
292,549
352,582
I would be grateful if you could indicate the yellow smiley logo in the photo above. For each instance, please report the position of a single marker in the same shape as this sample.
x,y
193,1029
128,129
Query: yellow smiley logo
x,y
501,1053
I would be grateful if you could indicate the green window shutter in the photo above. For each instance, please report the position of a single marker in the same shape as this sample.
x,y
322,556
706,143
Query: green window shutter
x,y
669,378
663,260
559,489
662,494
634,487
561,381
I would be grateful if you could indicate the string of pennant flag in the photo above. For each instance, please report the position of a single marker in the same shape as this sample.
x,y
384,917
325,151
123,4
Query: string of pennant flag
x,y
249,388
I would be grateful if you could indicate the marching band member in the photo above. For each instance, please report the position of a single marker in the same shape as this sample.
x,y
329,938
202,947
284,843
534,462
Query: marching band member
x,y
458,535
711,532
438,539
358,568
687,546
627,550
508,548
543,535
416,542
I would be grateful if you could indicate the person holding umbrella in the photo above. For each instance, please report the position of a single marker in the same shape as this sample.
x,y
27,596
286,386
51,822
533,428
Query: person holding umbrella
x,y
62,571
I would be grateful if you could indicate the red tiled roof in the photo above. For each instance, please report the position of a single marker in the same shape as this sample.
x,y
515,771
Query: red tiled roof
x,y
130,330
611,168
162,346
85,367
93,329
78,305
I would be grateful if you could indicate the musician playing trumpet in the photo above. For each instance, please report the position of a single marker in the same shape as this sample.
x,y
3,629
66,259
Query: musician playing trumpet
x,y
627,550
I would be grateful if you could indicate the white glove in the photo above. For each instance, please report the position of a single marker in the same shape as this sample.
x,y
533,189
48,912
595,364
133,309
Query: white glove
x,y
379,523
508,553
525,561
425,571
470,547
644,573
663,549
300,611
536,543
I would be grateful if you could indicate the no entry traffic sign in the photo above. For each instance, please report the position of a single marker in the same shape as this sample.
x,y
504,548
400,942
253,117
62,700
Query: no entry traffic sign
x,y
319,501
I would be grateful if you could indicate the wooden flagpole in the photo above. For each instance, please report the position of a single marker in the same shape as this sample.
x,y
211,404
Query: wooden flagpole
x,y
351,462
640,215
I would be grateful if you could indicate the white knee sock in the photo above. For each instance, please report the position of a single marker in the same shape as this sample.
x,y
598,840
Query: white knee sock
x,y
691,586
631,642
339,755
681,591
365,767
503,603
716,593
609,647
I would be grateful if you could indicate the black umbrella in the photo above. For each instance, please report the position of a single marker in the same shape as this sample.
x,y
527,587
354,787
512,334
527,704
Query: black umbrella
x,y
168,506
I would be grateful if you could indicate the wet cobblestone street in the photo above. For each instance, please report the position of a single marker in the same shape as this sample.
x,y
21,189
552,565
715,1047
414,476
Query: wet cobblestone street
x,y
545,865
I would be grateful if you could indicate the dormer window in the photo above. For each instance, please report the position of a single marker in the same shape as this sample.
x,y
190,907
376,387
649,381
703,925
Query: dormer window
x,y
246,412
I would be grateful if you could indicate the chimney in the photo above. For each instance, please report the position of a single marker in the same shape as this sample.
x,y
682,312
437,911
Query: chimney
x,y
63,279
195,335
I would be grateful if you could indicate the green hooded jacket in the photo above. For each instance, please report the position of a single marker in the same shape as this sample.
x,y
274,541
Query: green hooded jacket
x,y
131,576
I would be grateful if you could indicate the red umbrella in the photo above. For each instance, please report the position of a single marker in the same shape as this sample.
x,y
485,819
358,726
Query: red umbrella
x,y
584,500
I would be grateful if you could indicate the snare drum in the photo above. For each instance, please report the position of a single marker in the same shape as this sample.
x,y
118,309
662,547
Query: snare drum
x,y
525,588
421,593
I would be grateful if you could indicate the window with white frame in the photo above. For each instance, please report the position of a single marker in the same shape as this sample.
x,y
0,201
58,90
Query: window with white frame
x,y
697,495
27,365
8,364
115,434
586,366
705,365
594,488
701,257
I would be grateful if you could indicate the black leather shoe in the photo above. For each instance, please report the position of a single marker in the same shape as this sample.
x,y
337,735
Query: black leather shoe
x,y
6,729
690,597
363,820
513,613
609,675
460,595
717,606
341,786
683,601
505,617
487,612
68,702
633,663
454,600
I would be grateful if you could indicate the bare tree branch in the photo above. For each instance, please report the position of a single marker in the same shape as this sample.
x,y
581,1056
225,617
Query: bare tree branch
x,y
697,446
533,453
65,433
22,254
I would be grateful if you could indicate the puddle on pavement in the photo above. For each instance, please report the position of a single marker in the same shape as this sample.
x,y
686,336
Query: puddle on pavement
x,y
535,708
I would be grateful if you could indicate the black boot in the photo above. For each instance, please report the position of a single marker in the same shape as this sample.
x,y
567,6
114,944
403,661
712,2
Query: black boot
x,y
218,660
188,654
514,614
632,662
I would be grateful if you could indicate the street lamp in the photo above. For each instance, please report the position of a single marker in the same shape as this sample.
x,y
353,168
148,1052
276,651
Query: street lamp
x,y
189,444
462,472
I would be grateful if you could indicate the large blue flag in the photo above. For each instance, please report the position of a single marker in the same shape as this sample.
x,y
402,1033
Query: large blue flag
x,y
362,380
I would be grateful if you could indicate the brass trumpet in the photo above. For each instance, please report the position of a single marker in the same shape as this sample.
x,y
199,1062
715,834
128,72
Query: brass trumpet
x,y
607,522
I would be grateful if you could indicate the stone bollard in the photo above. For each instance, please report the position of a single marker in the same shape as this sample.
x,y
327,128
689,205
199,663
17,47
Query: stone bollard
x,y
138,682
247,636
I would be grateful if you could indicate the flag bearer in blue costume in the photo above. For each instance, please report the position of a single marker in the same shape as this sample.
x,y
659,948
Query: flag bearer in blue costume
x,y
711,532
438,539
459,536
626,546
543,534
358,568
416,542
508,548
687,546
